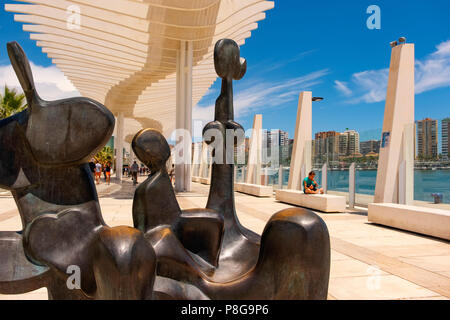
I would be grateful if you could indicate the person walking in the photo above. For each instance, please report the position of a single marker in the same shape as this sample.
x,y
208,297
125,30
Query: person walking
x,y
134,172
98,172
108,173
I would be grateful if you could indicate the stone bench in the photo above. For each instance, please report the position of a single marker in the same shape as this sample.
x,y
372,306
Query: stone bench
x,y
195,179
254,189
321,202
205,181
424,220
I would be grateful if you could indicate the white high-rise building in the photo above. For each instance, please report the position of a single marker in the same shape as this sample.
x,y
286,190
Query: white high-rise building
x,y
275,146
445,141
349,143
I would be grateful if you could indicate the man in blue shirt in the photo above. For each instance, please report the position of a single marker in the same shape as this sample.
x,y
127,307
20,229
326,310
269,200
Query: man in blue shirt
x,y
310,186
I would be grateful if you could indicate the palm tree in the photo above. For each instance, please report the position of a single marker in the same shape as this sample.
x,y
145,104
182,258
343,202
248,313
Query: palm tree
x,y
105,155
11,102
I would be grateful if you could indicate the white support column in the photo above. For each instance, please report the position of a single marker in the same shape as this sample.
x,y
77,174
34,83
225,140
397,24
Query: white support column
x,y
351,185
132,157
118,142
280,177
196,160
301,152
179,168
188,110
184,115
203,161
254,157
325,177
397,144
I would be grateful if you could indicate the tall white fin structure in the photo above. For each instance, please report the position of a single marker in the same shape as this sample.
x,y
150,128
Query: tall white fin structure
x,y
254,156
301,152
395,176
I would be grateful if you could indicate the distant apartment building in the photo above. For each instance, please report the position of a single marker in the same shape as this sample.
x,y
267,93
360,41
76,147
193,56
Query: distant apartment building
x,y
445,141
427,138
326,146
331,145
369,146
349,143
275,140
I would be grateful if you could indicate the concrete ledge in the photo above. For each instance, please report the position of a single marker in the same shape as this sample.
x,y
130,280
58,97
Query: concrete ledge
x,y
321,202
428,221
195,179
205,181
254,189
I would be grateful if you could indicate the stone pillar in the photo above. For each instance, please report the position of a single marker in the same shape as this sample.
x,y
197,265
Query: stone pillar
x,y
397,145
325,177
118,141
301,152
203,161
195,160
254,156
188,112
184,115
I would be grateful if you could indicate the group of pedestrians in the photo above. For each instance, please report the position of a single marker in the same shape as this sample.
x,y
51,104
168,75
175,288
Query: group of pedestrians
x,y
97,168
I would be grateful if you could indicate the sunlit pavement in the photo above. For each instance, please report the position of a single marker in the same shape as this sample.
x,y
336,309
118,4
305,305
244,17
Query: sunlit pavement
x,y
367,261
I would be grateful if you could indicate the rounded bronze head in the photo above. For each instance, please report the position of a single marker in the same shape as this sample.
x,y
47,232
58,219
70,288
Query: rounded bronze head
x,y
227,60
151,148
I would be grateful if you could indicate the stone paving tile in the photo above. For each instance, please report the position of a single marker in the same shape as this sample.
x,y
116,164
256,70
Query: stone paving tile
x,y
336,256
415,250
383,287
433,263
445,273
352,268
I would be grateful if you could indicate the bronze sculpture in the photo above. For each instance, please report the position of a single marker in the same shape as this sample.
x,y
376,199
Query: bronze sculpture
x,y
45,150
291,259
171,253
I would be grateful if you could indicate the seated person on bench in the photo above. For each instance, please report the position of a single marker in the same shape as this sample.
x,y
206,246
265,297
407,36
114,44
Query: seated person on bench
x,y
310,186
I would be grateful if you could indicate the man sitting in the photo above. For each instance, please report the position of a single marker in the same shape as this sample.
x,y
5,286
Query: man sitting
x,y
310,186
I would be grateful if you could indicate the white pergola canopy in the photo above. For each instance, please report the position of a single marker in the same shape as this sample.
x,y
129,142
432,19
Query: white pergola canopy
x,y
125,53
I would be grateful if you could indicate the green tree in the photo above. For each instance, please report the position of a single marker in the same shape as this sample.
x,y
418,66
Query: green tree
x,y
105,155
11,102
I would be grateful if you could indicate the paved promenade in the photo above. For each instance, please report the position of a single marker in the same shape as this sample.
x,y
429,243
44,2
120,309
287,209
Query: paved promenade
x,y
367,261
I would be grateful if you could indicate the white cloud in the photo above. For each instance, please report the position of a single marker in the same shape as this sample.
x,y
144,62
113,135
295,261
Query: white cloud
x,y
434,71
370,86
50,82
264,95
373,84
342,87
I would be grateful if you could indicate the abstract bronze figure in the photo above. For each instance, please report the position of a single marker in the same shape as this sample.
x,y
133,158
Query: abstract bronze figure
x,y
43,161
171,253
226,261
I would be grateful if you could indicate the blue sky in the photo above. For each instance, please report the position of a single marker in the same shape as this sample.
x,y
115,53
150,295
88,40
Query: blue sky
x,y
329,41
323,46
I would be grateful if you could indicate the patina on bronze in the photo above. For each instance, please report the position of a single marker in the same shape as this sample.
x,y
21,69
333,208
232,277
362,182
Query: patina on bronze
x,y
208,252
43,162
